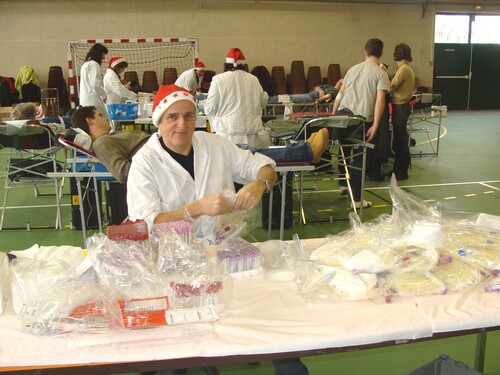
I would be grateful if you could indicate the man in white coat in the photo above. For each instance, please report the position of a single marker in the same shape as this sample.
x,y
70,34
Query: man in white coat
x,y
179,174
235,101
191,79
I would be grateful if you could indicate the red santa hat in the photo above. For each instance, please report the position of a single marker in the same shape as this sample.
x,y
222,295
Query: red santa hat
x,y
199,66
166,96
235,57
115,61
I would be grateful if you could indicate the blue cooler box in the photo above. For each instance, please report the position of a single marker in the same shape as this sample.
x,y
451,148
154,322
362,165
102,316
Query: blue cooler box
x,y
125,111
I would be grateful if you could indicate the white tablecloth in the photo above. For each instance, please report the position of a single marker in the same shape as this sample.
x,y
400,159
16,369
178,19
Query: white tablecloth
x,y
264,317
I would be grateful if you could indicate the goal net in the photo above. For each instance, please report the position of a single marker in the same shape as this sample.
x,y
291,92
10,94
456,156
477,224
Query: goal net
x,y
142,55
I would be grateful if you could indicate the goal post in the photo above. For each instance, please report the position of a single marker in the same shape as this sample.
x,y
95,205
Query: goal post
x,y
142,55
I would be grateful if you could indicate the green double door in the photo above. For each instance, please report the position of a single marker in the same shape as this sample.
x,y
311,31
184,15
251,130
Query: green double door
x,y
467,75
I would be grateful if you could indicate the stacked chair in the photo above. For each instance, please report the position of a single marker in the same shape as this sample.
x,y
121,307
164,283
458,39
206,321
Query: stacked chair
x,y
313,78
169,76
56,89
333,74
297,78
149,81
131,76
279,80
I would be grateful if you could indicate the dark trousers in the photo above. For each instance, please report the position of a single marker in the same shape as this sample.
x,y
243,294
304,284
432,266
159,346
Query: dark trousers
x,y
354,157
292,366
400,114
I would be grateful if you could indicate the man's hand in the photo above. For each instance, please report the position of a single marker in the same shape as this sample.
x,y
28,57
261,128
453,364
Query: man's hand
x,y
370,133
250,195
211,205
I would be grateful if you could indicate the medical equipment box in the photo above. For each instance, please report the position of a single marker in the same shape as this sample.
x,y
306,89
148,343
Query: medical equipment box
x,y
123,111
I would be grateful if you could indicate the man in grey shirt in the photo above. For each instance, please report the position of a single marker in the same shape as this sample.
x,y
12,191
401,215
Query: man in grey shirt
x,y
363,93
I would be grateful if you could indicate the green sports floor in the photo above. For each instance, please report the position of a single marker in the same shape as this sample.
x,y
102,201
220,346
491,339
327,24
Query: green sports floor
x,y
464,177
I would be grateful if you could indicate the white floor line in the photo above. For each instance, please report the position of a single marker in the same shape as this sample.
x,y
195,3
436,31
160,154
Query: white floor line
x,y
489,186
485,183
443,133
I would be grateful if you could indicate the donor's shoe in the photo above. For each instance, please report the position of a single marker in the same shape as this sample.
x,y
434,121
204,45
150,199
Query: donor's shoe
x,y
319,143
366,204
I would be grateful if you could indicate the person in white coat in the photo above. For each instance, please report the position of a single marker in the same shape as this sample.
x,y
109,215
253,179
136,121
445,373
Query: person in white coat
x,y
191,79
235,101
91,86
115,89
179,174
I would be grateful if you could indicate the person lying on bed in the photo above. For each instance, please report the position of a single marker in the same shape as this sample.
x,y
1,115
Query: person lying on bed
x,y
323,93
114,150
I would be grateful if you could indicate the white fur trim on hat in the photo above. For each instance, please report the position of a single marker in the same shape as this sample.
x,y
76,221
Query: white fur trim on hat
x,y
115,61
169,95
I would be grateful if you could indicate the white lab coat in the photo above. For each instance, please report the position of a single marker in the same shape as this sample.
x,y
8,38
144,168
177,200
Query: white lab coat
x,y
115,90
157,183
234,105
188,80
91,86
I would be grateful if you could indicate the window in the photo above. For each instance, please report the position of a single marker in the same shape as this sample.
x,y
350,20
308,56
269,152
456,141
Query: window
x,y
451,28
486,29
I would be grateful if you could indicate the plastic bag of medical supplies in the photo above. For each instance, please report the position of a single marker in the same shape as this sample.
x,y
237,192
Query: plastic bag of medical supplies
x,y
124,264
418,250
190,273
237,223
49,299
75,307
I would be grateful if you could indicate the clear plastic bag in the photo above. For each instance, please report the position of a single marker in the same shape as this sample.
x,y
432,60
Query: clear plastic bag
x,y
73,307
36,279
411,285
125,264
457,275
191,276
237,223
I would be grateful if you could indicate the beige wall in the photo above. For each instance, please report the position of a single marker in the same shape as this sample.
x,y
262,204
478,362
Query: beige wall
x,y
268,34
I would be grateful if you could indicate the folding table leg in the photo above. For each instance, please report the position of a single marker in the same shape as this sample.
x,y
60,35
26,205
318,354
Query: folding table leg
x,y
82,214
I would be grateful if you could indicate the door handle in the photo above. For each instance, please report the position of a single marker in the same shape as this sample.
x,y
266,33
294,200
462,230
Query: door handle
x,y
454,77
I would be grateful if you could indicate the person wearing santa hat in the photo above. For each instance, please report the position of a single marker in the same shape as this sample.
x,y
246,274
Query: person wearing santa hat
x,y
180,174
91,87
191,78
115,89
234,103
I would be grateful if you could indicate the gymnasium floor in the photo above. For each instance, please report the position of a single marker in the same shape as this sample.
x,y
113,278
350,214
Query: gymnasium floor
x,y
465,177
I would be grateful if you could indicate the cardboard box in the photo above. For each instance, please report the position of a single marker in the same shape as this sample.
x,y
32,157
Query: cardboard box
x,y
5,113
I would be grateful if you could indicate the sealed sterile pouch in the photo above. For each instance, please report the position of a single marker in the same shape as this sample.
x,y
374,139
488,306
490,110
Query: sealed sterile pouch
x,y
34,279
457,275
4,281
411,284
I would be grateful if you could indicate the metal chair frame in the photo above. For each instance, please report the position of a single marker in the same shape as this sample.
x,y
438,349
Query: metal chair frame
x,y
83,165
345,127
34,144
